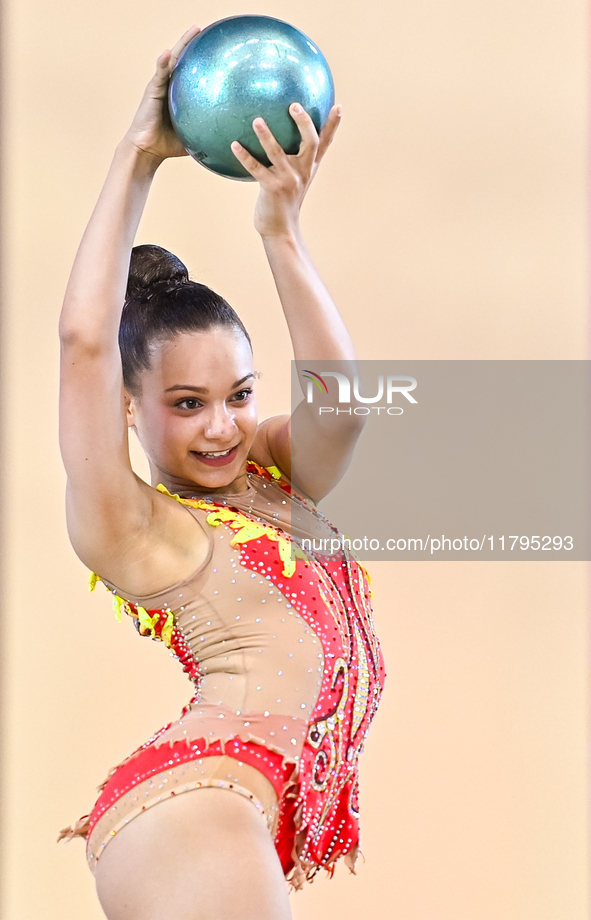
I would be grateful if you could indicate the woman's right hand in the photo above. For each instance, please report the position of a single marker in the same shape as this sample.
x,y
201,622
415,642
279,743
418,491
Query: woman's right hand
x,y
151,130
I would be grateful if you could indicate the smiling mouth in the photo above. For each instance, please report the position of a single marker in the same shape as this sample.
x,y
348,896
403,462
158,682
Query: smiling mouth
x,y
216,457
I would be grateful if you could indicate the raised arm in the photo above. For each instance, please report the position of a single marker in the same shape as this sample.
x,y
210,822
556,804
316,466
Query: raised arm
x,y
116,522
322,446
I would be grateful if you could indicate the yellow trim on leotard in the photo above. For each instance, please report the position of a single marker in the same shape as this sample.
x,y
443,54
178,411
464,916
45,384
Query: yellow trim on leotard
x,y
246,529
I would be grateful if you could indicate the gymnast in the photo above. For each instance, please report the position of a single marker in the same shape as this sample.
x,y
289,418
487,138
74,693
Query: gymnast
x,y
256,781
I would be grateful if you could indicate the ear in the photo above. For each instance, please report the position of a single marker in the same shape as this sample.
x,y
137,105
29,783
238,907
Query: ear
x,y
129,409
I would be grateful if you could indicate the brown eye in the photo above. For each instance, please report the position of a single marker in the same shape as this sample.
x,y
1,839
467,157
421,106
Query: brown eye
x,y
242,395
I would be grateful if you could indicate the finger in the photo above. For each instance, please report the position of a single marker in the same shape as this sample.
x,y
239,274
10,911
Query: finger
x,y
329,130
256,169
307,129
270,145
160,78
182,43
168,59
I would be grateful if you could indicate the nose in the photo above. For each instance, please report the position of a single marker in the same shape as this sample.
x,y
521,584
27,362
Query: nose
x,y
219,423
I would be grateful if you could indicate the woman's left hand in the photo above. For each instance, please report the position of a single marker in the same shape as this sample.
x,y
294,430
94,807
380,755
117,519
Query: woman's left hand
x,y
284,184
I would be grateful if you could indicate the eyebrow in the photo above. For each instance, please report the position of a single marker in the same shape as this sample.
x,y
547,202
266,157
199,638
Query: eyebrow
x,y
192,389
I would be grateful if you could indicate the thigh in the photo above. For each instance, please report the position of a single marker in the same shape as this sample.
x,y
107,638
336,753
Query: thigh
x,y
204,855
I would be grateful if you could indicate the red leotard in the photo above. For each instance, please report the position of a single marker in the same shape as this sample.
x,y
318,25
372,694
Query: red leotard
x,y
280,645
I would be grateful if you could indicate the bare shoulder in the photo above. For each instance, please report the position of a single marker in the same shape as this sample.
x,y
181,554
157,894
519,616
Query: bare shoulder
x,y
163,545
272,443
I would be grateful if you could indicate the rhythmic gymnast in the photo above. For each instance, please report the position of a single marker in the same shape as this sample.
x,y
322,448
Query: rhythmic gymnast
x,y
256,781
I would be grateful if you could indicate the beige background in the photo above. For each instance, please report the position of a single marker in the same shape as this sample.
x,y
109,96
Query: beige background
x,y
449,222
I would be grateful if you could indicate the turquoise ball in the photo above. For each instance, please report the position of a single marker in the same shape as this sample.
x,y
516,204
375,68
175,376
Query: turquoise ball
x,y
236,70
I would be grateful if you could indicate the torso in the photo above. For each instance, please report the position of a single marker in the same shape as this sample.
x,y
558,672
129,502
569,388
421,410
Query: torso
x,y
282,652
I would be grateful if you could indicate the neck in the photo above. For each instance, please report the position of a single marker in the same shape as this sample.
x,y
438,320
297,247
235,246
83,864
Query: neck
x,y
186,486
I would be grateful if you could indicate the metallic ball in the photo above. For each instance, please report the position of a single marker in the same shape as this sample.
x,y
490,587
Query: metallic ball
x,y
240,68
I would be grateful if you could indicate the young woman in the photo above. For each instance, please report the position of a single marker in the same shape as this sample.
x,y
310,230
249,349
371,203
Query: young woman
x,y
257,780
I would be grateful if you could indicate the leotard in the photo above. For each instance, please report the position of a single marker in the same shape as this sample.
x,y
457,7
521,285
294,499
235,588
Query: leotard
x,y
278,640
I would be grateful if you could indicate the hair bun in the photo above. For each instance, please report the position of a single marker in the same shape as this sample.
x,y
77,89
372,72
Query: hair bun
x,y
152,265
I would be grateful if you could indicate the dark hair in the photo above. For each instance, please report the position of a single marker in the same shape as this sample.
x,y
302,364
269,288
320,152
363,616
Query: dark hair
x,y
161,302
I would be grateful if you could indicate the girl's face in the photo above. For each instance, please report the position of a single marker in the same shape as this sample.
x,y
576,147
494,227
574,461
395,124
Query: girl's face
x,y
196,414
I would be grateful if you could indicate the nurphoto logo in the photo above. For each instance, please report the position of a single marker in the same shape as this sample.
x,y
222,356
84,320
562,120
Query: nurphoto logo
x,y
394,384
